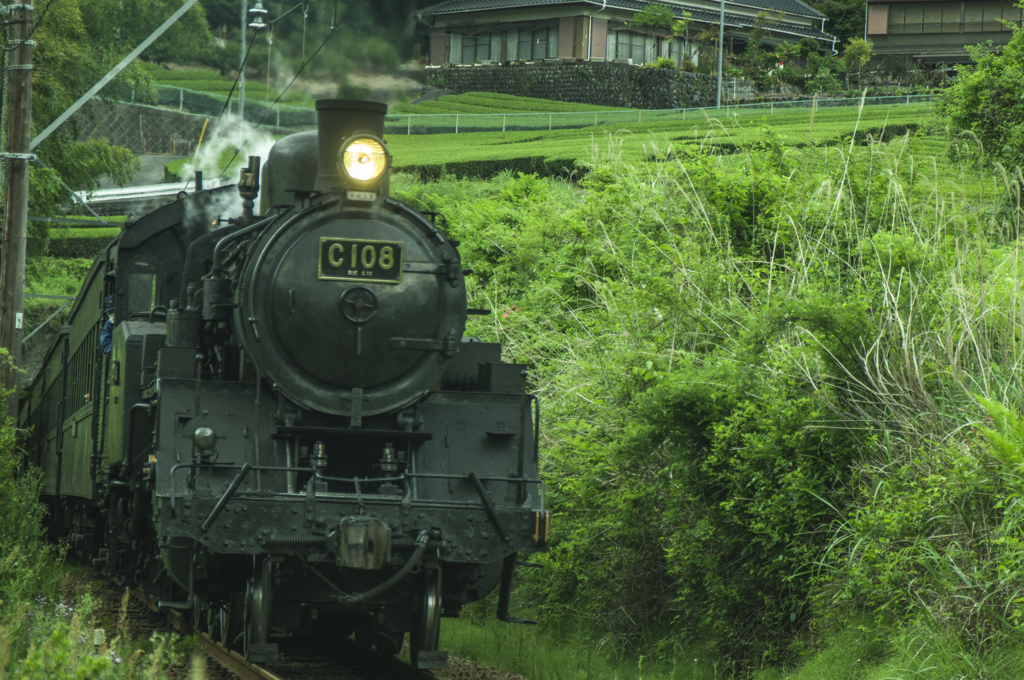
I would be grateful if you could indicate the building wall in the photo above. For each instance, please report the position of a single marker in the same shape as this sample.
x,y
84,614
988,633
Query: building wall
x,y
878,18
586,31
598,40
566,41
933,32
601,83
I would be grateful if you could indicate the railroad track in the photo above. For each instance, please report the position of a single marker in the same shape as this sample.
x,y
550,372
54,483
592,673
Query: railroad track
x,y
350,663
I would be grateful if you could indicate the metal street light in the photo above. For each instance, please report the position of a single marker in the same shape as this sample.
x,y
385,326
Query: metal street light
x,y
258,25
721,47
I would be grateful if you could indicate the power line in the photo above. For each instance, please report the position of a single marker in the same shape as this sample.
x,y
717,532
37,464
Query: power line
x,y
335,23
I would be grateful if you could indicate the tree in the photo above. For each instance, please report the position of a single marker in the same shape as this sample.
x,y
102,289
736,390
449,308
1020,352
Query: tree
x,y
655,16
857,54
844,18
987,100
120,25
70,57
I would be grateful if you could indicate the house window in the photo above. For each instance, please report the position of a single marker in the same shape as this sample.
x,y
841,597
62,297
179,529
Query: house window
x,y
933,17
630,46
951,19
539,44
678,52
476,48
907,18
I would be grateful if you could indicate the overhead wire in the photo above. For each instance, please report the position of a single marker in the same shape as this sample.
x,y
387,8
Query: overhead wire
x,y
335,23
245,59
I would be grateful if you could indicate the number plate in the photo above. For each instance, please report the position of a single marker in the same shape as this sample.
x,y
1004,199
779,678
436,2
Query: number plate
x,y
346,259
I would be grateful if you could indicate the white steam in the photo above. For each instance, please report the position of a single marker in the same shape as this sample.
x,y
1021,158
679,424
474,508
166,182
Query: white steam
x,y
228,135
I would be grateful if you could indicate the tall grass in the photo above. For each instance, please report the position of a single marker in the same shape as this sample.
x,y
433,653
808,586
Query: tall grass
x,y
44,633
880,281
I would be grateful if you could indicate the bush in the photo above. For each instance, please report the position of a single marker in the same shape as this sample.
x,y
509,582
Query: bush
x,y
80,243
987,100
662,62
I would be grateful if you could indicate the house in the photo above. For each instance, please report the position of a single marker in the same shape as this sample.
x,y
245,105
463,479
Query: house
x,y
936,32
468,32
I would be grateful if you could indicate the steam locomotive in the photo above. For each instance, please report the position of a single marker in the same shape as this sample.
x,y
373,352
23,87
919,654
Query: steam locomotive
x,y
290,435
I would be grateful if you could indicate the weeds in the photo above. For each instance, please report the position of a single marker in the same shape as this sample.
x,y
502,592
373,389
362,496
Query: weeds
x,y
759,373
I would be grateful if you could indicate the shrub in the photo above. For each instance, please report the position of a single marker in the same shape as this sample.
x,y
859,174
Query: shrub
x,y
662,62
987,100
80,243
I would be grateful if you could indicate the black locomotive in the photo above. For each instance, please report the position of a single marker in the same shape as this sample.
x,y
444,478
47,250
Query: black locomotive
x,y
291,434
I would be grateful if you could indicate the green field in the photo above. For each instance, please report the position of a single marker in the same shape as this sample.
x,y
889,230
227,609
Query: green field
x,y
703,132
210,81
489,102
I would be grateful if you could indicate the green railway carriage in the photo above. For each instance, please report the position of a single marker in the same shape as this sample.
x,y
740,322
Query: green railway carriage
x,y
290,435
77,410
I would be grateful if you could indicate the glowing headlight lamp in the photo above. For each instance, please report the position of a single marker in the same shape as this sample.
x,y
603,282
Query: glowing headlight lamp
x,y
363,159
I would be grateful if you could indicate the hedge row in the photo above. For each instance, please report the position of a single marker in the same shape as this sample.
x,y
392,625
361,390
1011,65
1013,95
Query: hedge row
x,y
542,166
83,243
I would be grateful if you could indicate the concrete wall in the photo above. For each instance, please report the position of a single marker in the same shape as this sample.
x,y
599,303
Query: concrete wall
x,y
601,83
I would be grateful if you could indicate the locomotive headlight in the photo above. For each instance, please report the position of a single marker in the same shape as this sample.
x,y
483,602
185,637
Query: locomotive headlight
x,y
363,159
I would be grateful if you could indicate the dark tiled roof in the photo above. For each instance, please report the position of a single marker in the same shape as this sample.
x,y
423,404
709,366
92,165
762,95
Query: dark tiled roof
x,y
452,6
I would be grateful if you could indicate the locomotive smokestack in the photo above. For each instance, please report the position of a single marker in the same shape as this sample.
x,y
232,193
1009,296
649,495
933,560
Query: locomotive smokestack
x,y
336,121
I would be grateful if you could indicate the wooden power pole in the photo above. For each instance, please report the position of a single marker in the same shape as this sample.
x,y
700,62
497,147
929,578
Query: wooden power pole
x,y
19,118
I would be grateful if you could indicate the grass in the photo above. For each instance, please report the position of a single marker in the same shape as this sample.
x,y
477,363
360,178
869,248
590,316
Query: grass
x,y
859,651
208,80
487,102
647,139
925,245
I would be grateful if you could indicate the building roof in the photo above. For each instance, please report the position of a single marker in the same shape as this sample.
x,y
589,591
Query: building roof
x,y
454,6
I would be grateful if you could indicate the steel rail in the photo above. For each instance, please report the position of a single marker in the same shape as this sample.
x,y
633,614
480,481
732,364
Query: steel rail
x,y
229,659
233,662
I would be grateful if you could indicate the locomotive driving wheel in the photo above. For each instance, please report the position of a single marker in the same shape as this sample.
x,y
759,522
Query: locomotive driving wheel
x,y
257,617
426,629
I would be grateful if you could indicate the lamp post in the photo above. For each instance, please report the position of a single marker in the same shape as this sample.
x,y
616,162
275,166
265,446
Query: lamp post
x,y
721,47
241,64
256,25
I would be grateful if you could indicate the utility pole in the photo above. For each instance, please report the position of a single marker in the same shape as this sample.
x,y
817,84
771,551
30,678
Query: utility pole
x,y
241,64
721,48
19,120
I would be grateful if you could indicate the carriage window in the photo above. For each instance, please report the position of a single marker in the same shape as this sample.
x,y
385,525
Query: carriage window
x,y
142,287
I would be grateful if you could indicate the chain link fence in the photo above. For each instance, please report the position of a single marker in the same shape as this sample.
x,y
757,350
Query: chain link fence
x,y
212,103
153,130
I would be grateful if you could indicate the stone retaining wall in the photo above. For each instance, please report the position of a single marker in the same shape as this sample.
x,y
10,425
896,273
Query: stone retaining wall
x,y
599,83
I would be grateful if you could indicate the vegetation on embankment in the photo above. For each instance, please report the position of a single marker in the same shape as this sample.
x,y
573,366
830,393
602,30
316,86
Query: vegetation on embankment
x,y
48,628
759,374
559,153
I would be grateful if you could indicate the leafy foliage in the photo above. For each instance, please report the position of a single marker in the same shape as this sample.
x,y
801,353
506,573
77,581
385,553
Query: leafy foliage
x,y
985,102
74,51
756,371
856,55
655,16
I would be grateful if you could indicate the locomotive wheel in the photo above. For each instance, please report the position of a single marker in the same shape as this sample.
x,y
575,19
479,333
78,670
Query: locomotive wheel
x,y
426,629
234,621
257,610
